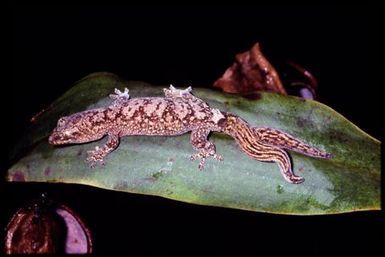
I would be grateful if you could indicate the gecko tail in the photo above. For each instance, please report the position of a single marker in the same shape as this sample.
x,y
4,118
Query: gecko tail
x,y
281,139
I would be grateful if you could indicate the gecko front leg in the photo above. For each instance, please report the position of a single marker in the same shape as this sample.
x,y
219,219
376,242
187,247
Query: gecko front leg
x,y
97,156
204,147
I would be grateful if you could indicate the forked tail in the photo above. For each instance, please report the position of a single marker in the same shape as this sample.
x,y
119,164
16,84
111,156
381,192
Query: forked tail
x,y
266,144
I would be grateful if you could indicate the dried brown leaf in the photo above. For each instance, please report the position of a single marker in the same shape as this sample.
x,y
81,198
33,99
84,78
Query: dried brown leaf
x,y
250,72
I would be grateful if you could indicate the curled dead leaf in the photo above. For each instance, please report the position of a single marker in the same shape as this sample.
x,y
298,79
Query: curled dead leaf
x,y
250,72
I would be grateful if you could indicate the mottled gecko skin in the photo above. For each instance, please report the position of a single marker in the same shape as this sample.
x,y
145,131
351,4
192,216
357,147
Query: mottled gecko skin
x,y
175,114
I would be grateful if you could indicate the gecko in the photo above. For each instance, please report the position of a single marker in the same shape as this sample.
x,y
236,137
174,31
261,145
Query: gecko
x,y
177,113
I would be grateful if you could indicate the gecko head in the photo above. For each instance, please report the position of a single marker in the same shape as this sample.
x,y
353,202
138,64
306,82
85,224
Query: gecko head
x,y
73,129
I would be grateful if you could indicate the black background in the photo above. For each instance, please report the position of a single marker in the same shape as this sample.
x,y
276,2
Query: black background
x,y
52,46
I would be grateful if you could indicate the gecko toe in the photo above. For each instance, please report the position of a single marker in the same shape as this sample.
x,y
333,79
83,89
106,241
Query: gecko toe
x,y
218,157
91,163
194,157
202,163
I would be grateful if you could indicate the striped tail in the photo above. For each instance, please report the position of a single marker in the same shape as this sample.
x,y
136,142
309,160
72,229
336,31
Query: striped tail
x,y
249,143
281,139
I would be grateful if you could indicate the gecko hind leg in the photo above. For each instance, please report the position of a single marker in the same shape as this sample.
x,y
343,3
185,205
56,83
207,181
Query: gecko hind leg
x,y
204,147
97,156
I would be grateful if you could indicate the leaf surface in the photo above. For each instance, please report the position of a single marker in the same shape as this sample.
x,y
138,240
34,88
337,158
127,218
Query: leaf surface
x,y
161,166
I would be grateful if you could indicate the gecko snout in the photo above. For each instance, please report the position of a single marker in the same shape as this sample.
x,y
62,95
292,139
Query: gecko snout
x,y
51,139
54,139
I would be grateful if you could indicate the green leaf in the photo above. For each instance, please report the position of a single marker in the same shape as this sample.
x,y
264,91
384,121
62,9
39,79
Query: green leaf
x,y
161,166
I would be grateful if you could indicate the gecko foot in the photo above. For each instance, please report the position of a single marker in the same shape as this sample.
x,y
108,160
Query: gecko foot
x,y
95,157
202,157
119,95
173,92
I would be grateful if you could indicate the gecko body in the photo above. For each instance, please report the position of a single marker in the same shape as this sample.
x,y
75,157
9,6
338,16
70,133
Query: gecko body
x,y
177,113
